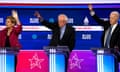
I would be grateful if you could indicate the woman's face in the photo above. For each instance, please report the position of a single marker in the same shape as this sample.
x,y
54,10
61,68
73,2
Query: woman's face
x,y
9,24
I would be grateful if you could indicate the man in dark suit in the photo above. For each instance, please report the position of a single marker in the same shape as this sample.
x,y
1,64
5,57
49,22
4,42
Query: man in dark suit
x,y
111,33
63,34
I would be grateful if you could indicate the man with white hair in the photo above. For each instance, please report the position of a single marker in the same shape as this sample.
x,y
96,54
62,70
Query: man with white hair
x,y
63,34
111,33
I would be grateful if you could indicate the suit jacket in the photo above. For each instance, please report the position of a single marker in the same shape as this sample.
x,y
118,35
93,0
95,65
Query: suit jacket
x,y
13,38
68,38
115,38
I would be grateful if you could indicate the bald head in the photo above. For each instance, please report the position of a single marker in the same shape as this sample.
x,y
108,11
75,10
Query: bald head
x,y
62,20
114,17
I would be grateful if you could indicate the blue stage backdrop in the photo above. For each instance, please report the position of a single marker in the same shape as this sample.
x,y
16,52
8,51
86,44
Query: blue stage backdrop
x,y
35,36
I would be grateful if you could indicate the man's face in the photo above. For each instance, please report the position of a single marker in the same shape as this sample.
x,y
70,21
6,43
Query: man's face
x,y
113,18
62,20
9,24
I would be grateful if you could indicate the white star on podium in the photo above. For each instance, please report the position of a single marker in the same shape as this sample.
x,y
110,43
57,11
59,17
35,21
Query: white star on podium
x,y
75,62
35,62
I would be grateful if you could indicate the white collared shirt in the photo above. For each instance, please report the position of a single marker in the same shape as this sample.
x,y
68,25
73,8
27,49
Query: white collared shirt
x,y
106,33
62,31
92,13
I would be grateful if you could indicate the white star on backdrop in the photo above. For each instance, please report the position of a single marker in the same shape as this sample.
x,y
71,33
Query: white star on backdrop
x,y
75,61
35,62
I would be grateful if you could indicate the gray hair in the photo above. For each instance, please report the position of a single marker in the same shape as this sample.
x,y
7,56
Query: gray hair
x,y
66,18
116,12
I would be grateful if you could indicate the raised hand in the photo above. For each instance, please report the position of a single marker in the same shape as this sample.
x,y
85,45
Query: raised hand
x,y
15,15
90,7
37,14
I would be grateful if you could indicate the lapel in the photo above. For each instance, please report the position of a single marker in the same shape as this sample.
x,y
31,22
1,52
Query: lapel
x,y
115,31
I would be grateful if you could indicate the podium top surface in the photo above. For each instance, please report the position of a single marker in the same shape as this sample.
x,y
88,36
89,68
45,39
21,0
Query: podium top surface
x,y
56,49
105,50
8,50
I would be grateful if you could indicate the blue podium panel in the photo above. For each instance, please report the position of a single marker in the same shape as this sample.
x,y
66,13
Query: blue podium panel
x,y
2,63
105,63
7,63
56,62
10,63
60,63
109,63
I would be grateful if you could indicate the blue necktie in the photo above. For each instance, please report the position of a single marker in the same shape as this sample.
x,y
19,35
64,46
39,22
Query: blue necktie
x,y
108,37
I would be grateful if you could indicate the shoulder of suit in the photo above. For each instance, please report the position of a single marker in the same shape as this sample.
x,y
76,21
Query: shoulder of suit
x,y
3,31
118,26
71,28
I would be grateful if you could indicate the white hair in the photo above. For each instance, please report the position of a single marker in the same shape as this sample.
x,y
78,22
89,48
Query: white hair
x,y
116,12
66,18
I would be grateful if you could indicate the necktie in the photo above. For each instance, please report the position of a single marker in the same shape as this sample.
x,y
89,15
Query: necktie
x,y
108,37
62,30
61,33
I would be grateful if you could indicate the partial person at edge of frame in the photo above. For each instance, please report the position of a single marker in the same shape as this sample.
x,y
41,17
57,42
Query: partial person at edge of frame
x,y
9,35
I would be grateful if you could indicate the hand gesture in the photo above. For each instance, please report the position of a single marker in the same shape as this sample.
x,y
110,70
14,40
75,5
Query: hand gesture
x,y
15,14
90,7
37,14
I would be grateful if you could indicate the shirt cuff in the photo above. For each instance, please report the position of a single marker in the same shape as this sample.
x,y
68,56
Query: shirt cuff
x,y
92,13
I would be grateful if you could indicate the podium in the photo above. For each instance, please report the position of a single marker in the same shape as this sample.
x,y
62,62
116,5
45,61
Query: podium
x,y
106,59
57,55
7,59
